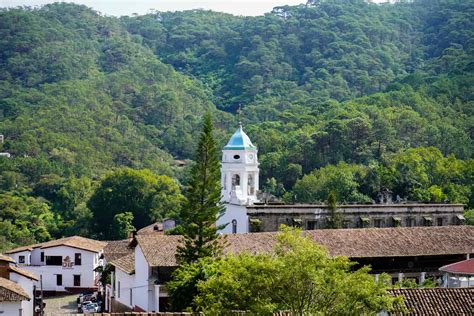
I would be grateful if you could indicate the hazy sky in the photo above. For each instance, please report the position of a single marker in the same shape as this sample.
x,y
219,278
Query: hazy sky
x,y
123,7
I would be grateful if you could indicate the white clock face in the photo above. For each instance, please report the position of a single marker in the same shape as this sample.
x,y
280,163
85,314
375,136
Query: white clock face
x,y
251,156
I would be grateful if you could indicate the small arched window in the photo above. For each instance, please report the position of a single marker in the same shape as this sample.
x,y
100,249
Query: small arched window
x,y
235,181
234,226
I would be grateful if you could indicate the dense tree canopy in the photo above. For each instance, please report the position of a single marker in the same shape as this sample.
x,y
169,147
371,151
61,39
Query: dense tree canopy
x,y
351,96
145,196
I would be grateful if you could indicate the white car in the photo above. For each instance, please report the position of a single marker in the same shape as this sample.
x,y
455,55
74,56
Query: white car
x,y
90,308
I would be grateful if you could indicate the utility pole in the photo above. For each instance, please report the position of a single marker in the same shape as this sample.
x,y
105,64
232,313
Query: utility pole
x,y
41,298
34,299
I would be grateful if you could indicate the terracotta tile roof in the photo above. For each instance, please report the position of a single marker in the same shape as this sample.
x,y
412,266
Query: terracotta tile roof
x,y
159,250
24,273
397,242
437,301
125,263
462,267
116,249
11,291
23,248
155,228
73,241
76,242
6,258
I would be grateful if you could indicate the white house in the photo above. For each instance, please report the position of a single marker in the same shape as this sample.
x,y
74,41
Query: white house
x,y
137,283
66,264
16,289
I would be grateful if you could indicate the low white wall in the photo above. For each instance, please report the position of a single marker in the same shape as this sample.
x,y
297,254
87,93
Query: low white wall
x,y
11,309
234,212
27,285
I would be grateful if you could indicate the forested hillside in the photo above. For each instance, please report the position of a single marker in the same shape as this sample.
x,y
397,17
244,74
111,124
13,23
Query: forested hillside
x,y
338,95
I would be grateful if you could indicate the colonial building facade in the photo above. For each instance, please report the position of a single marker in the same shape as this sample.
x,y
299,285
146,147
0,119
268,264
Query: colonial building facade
x,y
245,213
66,264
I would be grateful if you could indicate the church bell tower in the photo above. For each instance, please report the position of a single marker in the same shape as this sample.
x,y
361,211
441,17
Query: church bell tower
x,y
239,170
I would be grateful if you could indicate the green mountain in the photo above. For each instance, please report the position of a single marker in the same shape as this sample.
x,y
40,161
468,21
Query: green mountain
x,y
338,95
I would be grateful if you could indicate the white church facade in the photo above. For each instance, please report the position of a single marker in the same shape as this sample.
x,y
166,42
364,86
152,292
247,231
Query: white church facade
x,y
244,213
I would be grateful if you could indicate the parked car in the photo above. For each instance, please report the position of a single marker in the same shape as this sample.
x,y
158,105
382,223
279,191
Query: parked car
x,y
90,307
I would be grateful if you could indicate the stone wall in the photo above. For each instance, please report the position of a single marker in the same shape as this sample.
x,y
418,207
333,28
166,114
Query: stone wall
x,y
268,218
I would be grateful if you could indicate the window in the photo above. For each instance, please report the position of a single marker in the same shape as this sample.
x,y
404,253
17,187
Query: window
x,y
439,221
235,181
118,289
21,259
410,221
59,279
428,220
378,222
311,225
77,280
234,226
250,185
364,222
131,295
54,260
42,256
77,259
236,157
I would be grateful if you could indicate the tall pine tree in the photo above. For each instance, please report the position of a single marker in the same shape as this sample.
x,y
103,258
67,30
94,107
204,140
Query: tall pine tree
x,y
203,206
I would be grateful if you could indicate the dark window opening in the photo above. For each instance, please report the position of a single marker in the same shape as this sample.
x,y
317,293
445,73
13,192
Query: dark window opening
x,y
77,280
235,181
118,288
21,259
378,222
234,226
236,157
311,225
439,221
42,256
54,260
410,222
59,278
77,259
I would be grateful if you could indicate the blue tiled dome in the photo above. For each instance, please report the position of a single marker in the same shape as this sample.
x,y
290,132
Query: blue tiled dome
x,y
239,141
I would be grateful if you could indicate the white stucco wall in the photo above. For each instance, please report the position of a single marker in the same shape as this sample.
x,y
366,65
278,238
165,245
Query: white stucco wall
x,y
143,289
27,285
85,270
10,309
237,212
16,256
126,283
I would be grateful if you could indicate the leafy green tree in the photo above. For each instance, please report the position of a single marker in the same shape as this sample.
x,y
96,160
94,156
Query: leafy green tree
x,y
341,178
469,216
299,276
149,197
24,220
335,219
123,225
